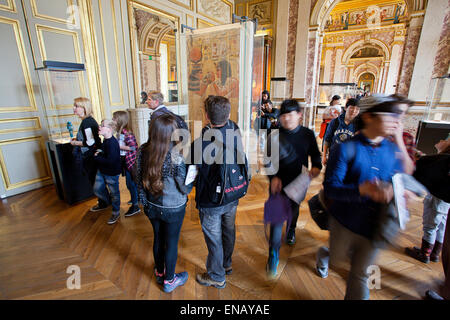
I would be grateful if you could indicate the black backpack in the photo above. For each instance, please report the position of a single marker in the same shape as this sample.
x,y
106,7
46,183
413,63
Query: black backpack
x,y
226,183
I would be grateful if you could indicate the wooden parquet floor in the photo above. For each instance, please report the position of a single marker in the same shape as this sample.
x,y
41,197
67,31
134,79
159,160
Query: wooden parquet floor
x,y
41,236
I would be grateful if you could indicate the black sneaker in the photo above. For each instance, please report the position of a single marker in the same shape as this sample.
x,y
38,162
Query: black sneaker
x,y
98,207
132,211
228,271
159,277
205,280
290,238
114,217
431,295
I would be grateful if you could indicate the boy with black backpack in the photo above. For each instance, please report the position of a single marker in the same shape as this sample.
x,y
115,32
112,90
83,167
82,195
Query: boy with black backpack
x,y
222,179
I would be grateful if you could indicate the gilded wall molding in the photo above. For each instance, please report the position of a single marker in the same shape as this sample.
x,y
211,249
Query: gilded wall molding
x,y
25,68
11,6
36,14
5,176
89,39
214,8
77,51
183,4
36,127
105,55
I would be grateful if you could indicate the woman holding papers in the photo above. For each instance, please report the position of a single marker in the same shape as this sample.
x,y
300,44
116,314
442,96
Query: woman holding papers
x,y
161,177
87,139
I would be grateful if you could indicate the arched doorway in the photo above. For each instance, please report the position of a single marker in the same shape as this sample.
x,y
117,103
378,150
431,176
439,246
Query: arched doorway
x,y
366,82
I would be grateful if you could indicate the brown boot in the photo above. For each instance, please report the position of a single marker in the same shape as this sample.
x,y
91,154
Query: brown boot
x,y
434,256
422,254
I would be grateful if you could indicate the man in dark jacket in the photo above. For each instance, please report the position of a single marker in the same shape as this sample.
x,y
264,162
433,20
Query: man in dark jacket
x,y
217,218
296,145
155,102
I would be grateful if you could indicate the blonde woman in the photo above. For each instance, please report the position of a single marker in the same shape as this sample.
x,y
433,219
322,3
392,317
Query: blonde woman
x,y
87,137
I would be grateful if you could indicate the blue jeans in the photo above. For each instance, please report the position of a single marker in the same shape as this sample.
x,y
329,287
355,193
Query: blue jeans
x,y
131,187
344,243
276,231
435,213
106,188
165,244
219,230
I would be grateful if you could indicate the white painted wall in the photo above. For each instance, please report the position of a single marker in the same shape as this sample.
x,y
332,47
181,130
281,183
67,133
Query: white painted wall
x,y
327,66
393,69
281,39
301,50
427,49
338,66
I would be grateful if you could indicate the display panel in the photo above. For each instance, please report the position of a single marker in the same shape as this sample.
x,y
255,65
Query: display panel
x,y
213,68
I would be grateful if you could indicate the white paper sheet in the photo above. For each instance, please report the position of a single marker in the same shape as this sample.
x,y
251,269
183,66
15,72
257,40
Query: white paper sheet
x,y
191,174
400,202
296,190
89,137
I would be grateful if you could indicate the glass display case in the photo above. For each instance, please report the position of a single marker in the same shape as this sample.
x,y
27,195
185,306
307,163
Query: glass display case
x,y
438,101
435,124
173,91
328,90
219,61
60,83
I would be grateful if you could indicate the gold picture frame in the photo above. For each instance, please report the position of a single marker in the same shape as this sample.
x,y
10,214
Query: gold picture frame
x,y
254,4
205,14
203,24
190,6
133,37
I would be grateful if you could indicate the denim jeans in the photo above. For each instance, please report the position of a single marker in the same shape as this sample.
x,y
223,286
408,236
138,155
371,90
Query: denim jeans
x,y
276,231
165,244
106,188
219,230
435,213
131,187
344,243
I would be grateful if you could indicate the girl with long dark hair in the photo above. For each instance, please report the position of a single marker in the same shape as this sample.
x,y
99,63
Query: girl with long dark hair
x,y
161,174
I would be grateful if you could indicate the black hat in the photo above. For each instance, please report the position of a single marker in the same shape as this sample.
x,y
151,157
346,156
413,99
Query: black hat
x,y
336,97
289,106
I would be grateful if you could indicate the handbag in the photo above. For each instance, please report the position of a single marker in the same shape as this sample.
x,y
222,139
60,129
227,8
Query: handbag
x,y
318,208
277,209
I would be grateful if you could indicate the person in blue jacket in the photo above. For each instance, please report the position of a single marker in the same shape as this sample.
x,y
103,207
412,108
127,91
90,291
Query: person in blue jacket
x,y
358,183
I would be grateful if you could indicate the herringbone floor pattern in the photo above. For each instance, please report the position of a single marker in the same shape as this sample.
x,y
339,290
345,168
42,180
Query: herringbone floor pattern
x,y
40,236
